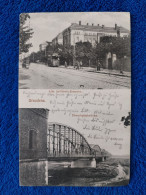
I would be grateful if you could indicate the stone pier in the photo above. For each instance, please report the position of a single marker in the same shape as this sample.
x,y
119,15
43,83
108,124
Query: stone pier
x,y
33,173
86,163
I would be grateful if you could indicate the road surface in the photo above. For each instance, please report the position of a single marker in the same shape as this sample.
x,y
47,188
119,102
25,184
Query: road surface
x,y
39,76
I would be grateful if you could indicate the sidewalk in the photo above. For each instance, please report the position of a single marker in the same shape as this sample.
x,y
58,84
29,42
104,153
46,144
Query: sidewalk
x,y
102,71
114,72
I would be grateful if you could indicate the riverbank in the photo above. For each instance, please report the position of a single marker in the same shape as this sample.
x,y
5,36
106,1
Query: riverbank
x,y
113,172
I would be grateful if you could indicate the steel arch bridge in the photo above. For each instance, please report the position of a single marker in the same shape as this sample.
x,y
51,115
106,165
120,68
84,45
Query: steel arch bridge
x,y
65,141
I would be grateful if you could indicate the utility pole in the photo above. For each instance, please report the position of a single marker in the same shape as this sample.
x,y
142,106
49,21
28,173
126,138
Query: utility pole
x,y
45,51
33,57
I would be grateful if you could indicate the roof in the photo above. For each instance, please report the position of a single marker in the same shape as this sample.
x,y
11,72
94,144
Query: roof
x,y
59,36
44,43
76,26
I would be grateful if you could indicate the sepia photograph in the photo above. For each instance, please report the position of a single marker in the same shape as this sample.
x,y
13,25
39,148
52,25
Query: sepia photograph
x,y
76,142
77,50
70,122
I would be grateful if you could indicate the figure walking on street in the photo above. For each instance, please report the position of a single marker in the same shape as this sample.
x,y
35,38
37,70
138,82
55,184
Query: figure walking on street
x,y
81,64
78,65
65,64
98,65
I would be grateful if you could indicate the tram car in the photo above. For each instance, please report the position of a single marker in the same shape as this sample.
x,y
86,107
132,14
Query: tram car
x,y
53,60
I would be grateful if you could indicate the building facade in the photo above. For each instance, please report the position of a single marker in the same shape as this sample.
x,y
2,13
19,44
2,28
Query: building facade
x,y
43,46
33,133
92,33
58,40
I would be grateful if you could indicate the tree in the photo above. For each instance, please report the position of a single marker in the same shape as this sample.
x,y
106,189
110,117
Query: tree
x,y
126,119
121,46
114,45
117,45
25,34
84,52
65,53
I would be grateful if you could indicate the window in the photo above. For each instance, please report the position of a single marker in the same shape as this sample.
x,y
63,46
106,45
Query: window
x,y
94,40
77,39
32,139
77,32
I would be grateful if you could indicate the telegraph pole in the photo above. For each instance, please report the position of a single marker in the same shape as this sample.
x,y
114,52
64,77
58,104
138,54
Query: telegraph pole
x,y
45,51
33,57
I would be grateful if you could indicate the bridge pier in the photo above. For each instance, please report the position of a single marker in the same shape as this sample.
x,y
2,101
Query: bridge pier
x,y
84,163
100,159
33,172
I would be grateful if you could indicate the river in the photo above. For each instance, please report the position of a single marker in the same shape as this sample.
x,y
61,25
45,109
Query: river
x,y
113,172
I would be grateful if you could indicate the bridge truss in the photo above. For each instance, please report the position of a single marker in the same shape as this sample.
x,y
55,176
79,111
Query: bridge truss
x,y
65,141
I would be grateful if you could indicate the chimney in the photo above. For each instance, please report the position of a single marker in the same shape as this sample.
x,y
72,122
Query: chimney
x,y
92,24
102,26
79,22
87,24
115,26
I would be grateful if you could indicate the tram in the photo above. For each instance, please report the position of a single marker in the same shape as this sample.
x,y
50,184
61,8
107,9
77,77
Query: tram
x,y
53,60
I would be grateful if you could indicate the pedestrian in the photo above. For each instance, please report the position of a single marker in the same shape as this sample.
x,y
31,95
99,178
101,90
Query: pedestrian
x,y
77,65
81,64
65,64
98,65
121,71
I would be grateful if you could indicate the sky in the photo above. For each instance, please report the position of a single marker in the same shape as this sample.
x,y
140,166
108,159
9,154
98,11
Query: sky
x,y
48,25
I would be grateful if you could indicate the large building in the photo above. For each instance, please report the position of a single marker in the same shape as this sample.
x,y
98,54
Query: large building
x,y
33,133
43,46
58,40
92,33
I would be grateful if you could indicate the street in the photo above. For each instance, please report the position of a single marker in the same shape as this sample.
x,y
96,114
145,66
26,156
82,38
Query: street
x,y
40,76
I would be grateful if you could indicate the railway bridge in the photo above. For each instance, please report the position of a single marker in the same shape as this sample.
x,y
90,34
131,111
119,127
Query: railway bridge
x,y
66,143
42,143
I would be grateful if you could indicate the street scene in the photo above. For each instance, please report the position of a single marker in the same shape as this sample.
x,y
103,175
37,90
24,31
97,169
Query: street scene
x,y
79,54
43,77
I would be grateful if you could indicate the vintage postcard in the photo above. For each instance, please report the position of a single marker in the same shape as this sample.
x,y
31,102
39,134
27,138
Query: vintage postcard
x,y
74,99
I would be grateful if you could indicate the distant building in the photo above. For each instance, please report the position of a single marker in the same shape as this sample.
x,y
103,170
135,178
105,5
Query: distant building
x,y
43,46
49,43
92,33
58,40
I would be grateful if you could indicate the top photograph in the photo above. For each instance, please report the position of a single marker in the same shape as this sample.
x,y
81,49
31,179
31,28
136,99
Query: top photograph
x,y
75,50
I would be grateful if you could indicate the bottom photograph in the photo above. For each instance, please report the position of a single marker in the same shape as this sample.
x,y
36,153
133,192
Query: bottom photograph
x,y
58,154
